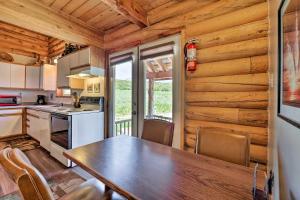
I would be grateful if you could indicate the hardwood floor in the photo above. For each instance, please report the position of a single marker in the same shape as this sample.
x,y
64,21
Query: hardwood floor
x,y
47,165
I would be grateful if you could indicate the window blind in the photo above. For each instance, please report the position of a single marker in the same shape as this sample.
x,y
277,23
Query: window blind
x,y
158,50
121,58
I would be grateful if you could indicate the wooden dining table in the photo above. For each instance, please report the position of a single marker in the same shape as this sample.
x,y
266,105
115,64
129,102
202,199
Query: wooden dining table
x,y
139,169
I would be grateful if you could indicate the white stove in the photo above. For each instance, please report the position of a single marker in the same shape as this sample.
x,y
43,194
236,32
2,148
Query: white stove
x,y
73,127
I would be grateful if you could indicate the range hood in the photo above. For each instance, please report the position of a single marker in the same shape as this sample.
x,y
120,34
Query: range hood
x,y
86,72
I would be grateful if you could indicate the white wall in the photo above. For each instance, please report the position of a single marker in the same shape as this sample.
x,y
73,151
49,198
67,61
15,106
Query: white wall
x,y
284,154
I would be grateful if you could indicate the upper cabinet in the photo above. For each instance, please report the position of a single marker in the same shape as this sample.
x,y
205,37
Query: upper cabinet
x,y
4,74
63,71
77,62
73,59
48,77
17,76
32,77
84,57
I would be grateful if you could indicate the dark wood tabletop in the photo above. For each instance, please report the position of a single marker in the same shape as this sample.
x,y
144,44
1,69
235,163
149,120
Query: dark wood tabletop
x,y
140,169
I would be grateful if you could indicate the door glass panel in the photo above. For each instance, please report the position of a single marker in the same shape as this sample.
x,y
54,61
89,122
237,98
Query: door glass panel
x,y
158,87
122,93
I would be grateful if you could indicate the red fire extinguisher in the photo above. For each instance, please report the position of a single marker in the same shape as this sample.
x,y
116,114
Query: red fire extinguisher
x,y
190,53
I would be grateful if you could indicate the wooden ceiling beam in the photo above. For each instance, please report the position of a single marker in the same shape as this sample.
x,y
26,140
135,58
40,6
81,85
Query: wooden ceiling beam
x,y
160,64
178,22
159,75
31,15
129,9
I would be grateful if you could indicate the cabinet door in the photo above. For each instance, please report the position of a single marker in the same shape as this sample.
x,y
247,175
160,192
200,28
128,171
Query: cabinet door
x,y
4,74
49,77
45,122
30,125
34,130
63,71
10,122
32,77
17,76
84,57
74,59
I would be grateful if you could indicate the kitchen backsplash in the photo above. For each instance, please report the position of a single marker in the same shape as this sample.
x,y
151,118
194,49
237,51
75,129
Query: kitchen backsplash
x,y
93,87
27,95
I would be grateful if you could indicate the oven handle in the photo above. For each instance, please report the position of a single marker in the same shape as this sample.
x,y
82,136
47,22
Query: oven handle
x,y
59,116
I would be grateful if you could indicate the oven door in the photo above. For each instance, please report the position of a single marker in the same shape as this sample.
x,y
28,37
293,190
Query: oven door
x,y
61,131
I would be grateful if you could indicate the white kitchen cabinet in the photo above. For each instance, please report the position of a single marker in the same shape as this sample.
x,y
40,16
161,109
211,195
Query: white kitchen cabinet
x,y
4,74
48,77
63,70
44,129
84,57
17,76
73,59
32,126
39,126
10,122
32,77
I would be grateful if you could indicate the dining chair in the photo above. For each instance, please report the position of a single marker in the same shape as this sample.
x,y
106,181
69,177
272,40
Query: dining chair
x,y
234,148
159,131
33,185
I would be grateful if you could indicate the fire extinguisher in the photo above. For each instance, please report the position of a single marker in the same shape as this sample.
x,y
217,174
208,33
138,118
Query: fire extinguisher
x,y
190,53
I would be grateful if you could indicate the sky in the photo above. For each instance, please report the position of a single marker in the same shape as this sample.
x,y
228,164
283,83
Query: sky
x,y
124,71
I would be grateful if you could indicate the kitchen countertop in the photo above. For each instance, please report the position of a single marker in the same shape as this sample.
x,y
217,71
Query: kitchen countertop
x,y
55,108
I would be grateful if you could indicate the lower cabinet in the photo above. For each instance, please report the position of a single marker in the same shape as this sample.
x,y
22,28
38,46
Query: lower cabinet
x,y
39,127
45,123
10,122
33,126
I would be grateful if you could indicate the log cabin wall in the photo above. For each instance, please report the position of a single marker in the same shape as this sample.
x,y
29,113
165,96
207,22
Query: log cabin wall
x,y
24,42
56,47
20,41
229,90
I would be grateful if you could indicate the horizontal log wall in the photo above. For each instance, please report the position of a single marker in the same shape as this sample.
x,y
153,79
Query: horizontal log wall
x,y
229,89
171,18
20,41
56,47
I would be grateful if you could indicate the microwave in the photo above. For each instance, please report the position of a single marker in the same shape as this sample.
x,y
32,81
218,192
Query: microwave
x,y
9,100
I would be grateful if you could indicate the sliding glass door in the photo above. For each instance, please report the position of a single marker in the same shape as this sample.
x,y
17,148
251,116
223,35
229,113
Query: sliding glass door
x,y
145,83
160,92
123,100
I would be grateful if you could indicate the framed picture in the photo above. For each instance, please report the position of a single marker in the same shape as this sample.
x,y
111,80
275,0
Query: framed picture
x,y
97,87
90,88
289,61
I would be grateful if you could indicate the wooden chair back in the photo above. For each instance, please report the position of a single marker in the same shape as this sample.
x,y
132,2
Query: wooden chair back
x,y
30,181
159,131
234,148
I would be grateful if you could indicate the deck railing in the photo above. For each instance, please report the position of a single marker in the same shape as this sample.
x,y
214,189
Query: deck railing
x,y
169,119
123,127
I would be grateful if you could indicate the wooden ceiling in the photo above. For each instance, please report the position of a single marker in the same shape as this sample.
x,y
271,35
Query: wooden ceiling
x,y
108,24
104,15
